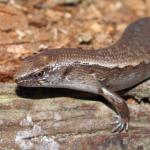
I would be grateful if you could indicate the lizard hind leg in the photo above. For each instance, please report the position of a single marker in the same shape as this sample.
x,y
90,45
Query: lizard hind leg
x,y
122,119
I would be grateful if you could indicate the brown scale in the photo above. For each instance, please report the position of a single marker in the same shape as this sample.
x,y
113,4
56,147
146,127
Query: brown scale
x,y
103,71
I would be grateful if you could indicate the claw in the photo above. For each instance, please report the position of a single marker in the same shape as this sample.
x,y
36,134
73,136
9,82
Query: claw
x,y
120,125
116,120
127,127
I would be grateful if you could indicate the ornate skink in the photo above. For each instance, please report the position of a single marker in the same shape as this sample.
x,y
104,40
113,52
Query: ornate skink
x,y
103,71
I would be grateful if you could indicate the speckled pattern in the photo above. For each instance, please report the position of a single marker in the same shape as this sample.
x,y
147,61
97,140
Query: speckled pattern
x,y
132,49
102,71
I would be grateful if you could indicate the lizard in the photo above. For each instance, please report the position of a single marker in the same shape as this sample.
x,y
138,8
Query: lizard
x,y
103,71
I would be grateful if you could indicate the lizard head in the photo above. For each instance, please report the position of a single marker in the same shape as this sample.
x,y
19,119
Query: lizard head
x,y
40,70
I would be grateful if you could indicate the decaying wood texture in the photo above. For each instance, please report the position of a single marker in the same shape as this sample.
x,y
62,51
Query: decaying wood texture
x,y
48,119
43,119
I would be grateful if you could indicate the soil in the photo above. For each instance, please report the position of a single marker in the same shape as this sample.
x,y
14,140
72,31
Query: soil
x,y
27,26
58,118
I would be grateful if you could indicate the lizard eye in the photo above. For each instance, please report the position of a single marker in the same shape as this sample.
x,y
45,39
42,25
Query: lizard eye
x,y
40,74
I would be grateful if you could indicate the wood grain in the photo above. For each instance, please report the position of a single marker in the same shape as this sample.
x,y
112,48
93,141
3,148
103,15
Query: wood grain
x,y
43,119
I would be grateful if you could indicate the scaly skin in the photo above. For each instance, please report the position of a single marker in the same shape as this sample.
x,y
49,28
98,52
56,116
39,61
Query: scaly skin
x,y
102,71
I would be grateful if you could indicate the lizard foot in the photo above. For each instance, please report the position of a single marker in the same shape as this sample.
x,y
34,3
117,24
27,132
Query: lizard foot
x,y
120,125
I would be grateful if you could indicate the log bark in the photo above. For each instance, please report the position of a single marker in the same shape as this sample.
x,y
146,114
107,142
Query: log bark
x,y
54,119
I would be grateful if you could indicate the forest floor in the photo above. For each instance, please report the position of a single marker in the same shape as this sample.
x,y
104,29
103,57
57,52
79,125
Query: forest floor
x,y
56,119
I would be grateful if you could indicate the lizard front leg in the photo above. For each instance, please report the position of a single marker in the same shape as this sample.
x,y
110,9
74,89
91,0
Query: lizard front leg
x,y
120,106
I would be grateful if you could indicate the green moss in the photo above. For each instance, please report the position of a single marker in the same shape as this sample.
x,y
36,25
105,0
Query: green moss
x,y
6,99
12,114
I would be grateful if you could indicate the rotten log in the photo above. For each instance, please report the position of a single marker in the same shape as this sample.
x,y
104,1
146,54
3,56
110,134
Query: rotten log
x,y
57,119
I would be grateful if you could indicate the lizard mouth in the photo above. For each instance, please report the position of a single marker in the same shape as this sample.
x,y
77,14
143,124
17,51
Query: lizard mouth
x,y
23,80
26,82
